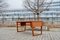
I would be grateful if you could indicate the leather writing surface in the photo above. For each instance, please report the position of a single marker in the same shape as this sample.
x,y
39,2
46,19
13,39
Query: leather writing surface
x,y
23,23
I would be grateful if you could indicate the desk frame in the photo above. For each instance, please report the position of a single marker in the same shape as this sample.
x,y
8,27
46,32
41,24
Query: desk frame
x,y
18,23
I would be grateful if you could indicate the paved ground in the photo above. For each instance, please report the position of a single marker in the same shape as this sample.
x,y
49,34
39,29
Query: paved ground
x,y
11,34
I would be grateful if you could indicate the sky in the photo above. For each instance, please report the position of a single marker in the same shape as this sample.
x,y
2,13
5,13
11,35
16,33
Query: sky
x,y
16,4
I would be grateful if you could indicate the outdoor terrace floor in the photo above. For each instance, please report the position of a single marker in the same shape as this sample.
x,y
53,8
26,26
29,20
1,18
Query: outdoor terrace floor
x,y
11,34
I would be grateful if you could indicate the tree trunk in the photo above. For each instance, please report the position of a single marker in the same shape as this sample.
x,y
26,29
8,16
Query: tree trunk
x,y
38,17
34,17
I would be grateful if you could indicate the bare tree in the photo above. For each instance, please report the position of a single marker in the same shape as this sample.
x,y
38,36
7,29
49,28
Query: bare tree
x,y
37,6
3,6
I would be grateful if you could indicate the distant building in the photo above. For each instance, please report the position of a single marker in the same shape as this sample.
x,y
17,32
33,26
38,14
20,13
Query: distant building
x,y
51,14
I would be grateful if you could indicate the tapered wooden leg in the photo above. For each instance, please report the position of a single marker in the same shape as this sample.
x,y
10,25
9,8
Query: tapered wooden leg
x,y
41,29
32,28
17,26
33,31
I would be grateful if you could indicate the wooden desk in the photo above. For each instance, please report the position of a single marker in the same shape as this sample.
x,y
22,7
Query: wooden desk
x,y
33,24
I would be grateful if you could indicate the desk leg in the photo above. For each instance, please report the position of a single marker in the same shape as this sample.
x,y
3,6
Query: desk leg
x,y
17,26
33,31
41,29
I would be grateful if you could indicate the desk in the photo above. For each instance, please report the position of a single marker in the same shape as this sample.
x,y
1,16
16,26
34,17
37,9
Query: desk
x,y
33,24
